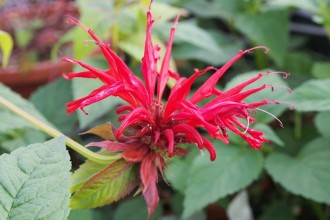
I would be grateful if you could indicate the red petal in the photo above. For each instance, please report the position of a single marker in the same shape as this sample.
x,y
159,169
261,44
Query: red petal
x,y
136,154
191,134
164,71
170,138
149,178
137,115
85,74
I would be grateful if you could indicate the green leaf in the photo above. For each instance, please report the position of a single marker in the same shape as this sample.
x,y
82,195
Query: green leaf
x,y
107,186
234,169
322,122
34,182
271,212
82,87
277,94
321,70
16,121
51,100
307,174
23,138
269,133
6,46
313,95
301,4
86,171
269,28
83,214
135,209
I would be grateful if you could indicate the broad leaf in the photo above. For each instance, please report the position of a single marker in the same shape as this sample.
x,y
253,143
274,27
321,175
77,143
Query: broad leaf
x,y
234,169
51,99
106,186
307,174
6,46
313,95
322,122
34,182
269,28
135,209
280,94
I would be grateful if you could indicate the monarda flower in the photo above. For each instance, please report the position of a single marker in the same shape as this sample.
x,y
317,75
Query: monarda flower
x,y
152,129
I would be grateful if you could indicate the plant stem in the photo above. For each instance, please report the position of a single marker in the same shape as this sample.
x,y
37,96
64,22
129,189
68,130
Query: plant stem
x,y
55,133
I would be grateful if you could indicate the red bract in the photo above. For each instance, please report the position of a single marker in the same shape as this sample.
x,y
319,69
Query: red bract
x,y
151,129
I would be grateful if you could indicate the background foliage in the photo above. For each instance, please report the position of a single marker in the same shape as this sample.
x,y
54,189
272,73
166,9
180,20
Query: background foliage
x,y
289,179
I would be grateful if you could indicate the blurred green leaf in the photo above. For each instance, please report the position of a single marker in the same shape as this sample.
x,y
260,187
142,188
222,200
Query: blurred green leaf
x,y
51,100
269,133
278,94
307,174
302,4
135,209
234,169
321,70
269,28
322,122
84,214
82,87
34,182
24,138
111,184
272,212
313,95
11,120
6,46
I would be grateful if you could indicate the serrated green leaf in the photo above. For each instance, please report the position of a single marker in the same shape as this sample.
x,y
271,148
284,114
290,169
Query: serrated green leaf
x,y
322,122
307,174
135,209
234,169
278,94
51,100
86,171
269,28
82,87
107,186
34,182
6,46
313,95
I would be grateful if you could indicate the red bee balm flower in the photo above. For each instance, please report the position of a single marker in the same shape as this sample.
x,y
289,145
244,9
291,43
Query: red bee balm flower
x,y
151,129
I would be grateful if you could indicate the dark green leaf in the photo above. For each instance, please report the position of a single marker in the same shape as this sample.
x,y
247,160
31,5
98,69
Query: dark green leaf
x,y
272,211
51,100
135,209
34,182
307,174
234,169
84,214
106,186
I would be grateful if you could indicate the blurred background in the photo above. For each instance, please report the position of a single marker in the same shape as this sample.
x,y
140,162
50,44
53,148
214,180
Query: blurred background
x,y
289,179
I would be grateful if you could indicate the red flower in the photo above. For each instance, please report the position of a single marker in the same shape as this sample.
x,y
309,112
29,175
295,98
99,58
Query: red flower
x,y
151,129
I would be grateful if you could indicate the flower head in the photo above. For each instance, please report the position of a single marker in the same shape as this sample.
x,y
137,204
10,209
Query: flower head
x,y
152,129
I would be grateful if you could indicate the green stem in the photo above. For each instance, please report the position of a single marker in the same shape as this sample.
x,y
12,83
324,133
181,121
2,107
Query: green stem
x,y
55,133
